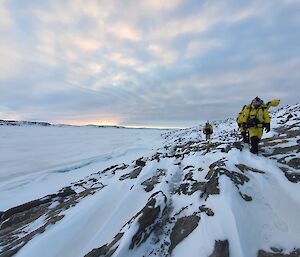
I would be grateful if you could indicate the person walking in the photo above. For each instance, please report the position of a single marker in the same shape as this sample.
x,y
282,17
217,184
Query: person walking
x,y
255,119
207,130
243,129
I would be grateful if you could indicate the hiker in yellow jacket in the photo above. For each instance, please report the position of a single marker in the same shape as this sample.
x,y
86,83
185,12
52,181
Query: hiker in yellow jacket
x,y
244,131
255,118
207,130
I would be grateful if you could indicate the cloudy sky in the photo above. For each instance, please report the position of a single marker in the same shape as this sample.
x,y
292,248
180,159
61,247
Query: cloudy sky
x,y
145,63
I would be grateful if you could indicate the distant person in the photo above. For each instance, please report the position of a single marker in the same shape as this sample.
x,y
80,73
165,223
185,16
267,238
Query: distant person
x,y
255,118
243,129
207,130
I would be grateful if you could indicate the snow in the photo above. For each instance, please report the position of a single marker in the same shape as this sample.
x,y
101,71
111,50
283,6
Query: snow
x,y
271,219
36,161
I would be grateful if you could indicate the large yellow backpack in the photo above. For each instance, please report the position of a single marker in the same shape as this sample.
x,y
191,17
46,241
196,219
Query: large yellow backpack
x,y
272,103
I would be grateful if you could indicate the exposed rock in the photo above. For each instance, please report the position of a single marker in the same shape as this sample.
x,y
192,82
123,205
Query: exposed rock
x,y
132,175
150,183
106,250
24,207
284,150
148,219
243,168
182,228
211,187
294,163
262,253
221,249
114,168
206,210
139,162
291,176
189,189
67,191
15,220
189,176
189,167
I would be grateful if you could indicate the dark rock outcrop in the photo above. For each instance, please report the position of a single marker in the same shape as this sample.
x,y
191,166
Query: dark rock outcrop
x,y
278,253
182,228
221,249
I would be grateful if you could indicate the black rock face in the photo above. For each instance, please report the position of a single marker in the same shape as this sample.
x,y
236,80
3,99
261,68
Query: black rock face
x,y
221,249
183,227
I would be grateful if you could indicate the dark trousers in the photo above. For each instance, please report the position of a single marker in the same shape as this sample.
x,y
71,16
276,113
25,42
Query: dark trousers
x,y
254,141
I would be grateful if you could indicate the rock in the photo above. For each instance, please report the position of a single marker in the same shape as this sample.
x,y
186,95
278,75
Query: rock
x,y
150,183
206,210
106,250
189,167
243,168
212,186
221,249
182,228
148,219
13,232
23,207
294,163
284,150
132,175
140,163
262,253
67,191
293,177
97,252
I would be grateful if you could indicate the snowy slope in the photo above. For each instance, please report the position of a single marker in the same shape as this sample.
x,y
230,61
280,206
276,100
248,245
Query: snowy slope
x,y
177,197
37,160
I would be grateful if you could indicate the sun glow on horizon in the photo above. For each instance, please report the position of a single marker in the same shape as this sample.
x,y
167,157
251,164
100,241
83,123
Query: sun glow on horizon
x,y
104,122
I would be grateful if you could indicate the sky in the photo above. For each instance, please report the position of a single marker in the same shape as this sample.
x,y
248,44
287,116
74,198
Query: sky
x,y
151,63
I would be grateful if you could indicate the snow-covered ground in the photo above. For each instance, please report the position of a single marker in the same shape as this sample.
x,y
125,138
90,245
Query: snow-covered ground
x,y
36,160
136,193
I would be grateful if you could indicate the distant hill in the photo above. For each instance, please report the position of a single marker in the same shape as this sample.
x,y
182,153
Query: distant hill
x,y
23,123
47,124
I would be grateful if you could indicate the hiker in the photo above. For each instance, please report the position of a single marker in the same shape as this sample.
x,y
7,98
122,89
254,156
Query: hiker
x,y
255,118
244,131
207,130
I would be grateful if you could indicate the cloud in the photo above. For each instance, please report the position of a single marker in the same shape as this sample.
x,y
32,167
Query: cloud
x,y
124,31
199,47
158,61
122,60
157,5
166,56
6,20
209,15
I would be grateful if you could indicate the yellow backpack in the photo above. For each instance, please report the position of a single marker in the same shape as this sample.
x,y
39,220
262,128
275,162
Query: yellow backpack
x,y
272,103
